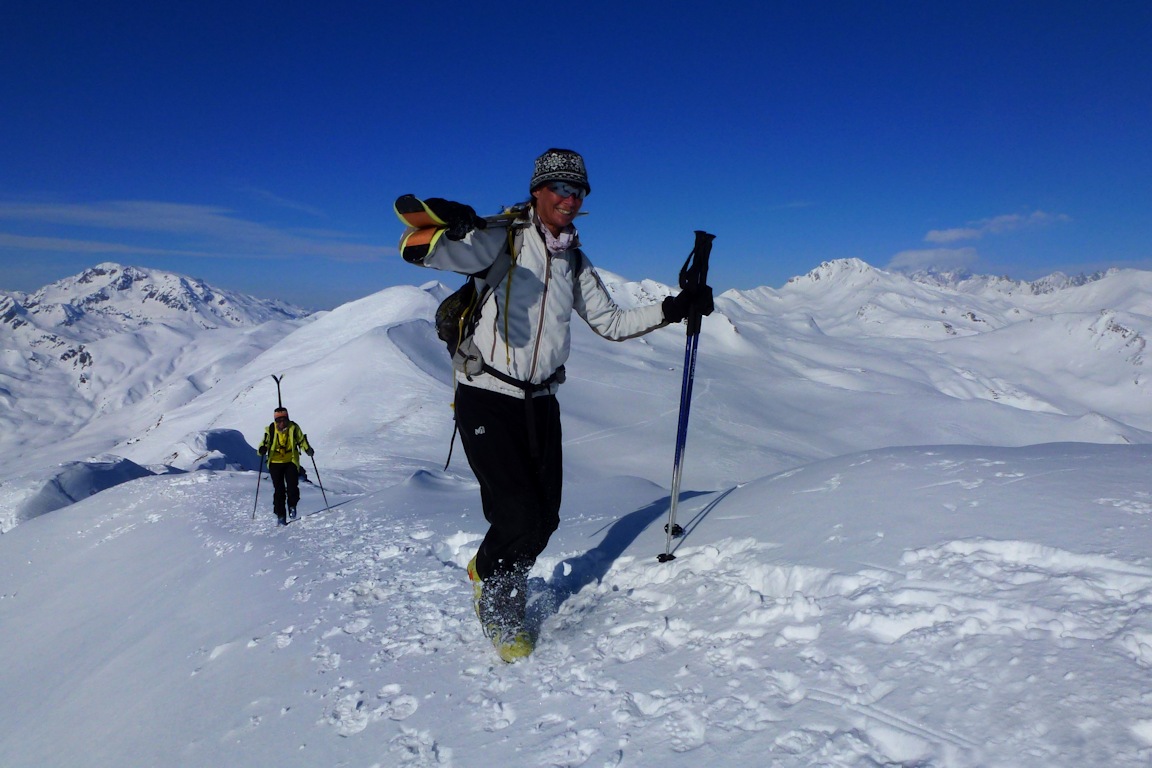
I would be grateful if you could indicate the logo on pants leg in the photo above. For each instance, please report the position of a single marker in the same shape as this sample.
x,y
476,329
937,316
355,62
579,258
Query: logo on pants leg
x,y
479,430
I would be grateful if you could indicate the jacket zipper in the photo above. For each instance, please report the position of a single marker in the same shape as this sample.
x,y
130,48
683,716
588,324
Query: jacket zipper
x,y
543,312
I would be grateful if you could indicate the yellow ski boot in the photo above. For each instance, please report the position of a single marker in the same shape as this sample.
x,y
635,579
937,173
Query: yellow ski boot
x,y
510,644
513,645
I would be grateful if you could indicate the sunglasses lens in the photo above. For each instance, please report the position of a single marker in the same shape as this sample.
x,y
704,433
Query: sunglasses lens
x,y
564,189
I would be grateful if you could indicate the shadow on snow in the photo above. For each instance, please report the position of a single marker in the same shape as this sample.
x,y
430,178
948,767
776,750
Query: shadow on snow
x,y
570,576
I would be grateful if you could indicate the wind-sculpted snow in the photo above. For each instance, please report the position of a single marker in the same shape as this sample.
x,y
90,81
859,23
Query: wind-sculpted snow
x,y
28,495
418,342
837,601
214,449
843,359
950,606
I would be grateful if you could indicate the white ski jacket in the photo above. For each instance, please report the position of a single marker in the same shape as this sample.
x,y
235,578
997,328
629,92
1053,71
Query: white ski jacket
x,y
524,330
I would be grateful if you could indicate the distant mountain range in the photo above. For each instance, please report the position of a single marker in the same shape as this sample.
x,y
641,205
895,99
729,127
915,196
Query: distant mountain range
x,y
115,337
111,297
56,325
966,282
121,363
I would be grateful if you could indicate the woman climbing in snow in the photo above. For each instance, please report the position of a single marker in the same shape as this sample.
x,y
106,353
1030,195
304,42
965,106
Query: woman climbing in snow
x,y
506,407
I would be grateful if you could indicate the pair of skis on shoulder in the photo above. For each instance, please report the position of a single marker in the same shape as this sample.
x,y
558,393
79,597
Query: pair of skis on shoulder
x,y
425,228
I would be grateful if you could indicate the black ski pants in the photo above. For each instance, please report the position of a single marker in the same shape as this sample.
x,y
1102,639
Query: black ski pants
x,y
286,482
520,493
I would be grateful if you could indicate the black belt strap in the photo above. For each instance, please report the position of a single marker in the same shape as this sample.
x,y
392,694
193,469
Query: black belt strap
x,y
529,410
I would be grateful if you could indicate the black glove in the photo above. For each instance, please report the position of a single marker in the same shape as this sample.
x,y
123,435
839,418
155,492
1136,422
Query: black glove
x,y
678,307
262,450
459,218
309,451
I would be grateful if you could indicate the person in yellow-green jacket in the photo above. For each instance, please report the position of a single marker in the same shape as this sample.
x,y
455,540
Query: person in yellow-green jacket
x,y
283,442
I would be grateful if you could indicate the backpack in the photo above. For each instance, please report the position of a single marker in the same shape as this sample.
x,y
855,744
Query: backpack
x,y
457,315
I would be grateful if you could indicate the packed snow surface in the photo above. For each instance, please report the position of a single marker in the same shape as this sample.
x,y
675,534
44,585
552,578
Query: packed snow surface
x,y
910,540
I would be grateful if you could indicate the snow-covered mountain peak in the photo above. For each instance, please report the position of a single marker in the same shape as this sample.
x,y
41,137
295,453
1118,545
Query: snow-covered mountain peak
x,y
839,270
116,338
123,297
915,533
964,281
630,293
854,274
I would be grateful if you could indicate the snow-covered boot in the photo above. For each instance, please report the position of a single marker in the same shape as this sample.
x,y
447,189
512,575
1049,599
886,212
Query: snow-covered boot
x,y
511,641
513,645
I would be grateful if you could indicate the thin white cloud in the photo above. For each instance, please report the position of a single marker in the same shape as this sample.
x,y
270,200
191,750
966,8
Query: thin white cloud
x,y
283,202
12,242
933,258
953,235
994,226
174,229
133,215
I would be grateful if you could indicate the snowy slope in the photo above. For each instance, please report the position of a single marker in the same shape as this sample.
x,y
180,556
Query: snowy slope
x,y
949,606
118,338
906,546
936,364
96,359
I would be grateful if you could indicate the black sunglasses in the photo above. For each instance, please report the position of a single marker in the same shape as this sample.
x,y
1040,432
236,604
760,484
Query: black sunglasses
x,y
564,189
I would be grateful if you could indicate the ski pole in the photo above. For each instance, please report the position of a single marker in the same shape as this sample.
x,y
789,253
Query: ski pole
x,y
259,474
319,482
693,276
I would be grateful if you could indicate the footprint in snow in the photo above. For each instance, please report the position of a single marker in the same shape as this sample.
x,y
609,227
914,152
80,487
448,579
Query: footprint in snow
x,y
350,715
397,705
284,637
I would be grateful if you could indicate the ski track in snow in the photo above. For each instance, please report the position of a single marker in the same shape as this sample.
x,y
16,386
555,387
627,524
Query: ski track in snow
x,y
775,677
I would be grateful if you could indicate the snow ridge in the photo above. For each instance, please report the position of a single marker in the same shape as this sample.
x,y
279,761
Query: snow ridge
x,y
903,546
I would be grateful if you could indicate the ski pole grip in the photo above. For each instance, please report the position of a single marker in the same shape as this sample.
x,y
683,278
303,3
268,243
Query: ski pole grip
x,y
702,249
694,274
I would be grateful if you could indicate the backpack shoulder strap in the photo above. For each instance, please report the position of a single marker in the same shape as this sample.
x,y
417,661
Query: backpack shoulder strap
x,y
496,271
487,280
579,261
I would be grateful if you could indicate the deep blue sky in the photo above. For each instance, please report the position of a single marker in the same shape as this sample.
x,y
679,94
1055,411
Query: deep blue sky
x,y
259,145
